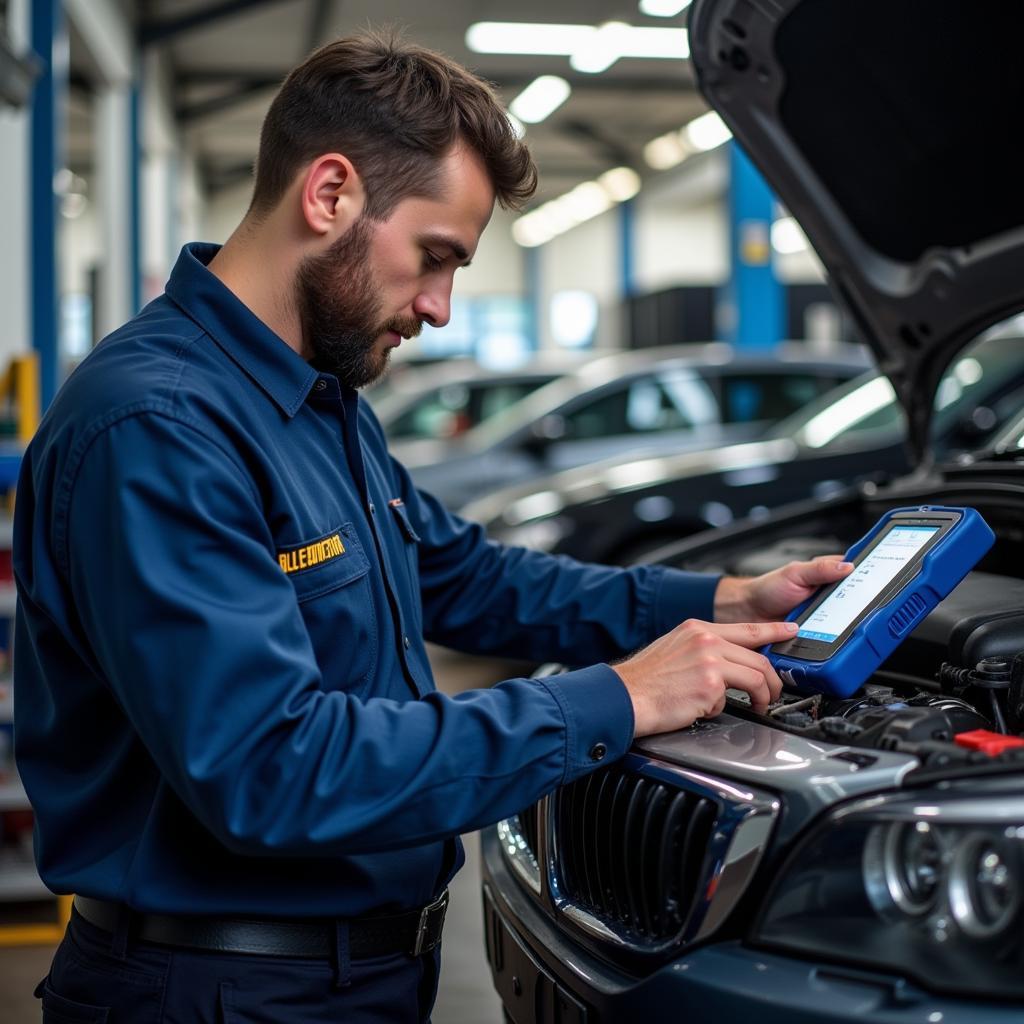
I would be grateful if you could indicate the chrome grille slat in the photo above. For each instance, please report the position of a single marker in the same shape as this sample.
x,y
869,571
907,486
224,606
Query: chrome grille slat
x,y
602,866
616,858
654,799
693,845
669,854
631,855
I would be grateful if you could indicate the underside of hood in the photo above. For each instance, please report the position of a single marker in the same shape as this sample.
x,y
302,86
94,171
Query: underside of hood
x,y
891,129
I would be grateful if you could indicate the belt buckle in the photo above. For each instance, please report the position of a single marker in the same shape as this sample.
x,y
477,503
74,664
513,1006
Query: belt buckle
x,y
428,931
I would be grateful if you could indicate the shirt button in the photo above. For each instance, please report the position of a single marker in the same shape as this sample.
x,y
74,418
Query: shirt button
x,y
597,752
320,385
405,640
373,509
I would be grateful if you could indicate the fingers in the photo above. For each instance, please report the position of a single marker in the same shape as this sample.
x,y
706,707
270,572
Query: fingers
x,y
746,634
824,569
751,661
729,646
752,682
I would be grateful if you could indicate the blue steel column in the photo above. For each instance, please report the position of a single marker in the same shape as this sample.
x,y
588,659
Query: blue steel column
x,y
755,298
49,41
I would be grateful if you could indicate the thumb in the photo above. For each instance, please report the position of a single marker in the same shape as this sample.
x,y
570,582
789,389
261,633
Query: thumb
x,y
826,569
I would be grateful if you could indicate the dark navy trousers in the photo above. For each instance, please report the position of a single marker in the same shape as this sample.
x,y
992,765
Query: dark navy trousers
x,y
99,978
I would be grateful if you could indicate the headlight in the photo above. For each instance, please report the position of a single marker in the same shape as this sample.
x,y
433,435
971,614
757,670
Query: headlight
x,y
927,885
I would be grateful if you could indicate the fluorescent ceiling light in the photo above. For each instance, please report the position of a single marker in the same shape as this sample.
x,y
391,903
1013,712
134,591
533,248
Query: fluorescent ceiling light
x,y
540,98
672,148
666,151
525,37
592,48
517,126
585,201
707,131
620,183
663,8
602,50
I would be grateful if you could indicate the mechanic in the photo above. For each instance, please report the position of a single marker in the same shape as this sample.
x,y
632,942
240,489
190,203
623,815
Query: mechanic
x,y
226,721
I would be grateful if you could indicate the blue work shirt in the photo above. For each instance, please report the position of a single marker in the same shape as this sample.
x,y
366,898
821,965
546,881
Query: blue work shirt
x,y
222,697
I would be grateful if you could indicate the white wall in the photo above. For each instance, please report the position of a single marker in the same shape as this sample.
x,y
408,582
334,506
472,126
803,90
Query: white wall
x,y
499,264
588,258
15,279
682,226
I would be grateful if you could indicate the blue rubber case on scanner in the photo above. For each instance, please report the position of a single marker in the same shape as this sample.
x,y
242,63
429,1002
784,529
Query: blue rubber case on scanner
x,y
884,629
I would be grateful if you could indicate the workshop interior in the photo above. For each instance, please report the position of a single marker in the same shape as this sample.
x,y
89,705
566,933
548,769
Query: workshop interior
x,y
765,305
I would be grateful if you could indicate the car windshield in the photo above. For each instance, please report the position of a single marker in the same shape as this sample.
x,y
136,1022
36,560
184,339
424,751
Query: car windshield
x,y
454,408
978,394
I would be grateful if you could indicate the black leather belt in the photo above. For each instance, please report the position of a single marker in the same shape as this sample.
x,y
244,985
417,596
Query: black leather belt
x,y
414,932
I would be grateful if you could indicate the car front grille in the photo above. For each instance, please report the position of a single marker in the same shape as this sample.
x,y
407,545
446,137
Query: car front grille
x,y
632,849
642,855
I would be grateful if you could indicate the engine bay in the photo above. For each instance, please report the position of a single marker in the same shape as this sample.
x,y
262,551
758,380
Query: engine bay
x,y
951,695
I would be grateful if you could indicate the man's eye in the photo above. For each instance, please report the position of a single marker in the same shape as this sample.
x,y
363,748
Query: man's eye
x,y
430,261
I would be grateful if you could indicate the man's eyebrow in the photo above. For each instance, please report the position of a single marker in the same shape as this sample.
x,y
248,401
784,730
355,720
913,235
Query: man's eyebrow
x,y
457,248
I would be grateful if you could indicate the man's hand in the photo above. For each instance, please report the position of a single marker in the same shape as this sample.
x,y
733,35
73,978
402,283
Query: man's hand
x,y
774,595
683,675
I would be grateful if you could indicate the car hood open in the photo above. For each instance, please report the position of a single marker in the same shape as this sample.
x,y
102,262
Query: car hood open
x,y
890,131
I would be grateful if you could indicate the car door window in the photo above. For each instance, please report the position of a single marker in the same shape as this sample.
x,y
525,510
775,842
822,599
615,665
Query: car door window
x,y
491,399
646,405
750,397
439,413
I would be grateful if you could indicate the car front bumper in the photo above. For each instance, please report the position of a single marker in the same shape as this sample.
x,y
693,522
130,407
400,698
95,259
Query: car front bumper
x,y
543,977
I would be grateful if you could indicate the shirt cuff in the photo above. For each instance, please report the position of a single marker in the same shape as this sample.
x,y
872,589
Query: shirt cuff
x,y
683,595
598,717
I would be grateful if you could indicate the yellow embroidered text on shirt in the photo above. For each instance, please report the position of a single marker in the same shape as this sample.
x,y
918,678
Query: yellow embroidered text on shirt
x,y
312,554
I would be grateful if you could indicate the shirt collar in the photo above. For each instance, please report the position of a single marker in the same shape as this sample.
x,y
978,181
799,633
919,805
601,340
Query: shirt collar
x,y
265,356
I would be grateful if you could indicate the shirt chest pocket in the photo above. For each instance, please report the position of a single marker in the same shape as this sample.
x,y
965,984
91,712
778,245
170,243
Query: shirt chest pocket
x,y
332,580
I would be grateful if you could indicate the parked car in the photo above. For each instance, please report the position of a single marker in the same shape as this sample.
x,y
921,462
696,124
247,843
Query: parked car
x,y
445,399
668,399
828,860
619,511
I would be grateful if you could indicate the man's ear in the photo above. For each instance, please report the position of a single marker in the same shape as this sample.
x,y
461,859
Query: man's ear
x,y
332,195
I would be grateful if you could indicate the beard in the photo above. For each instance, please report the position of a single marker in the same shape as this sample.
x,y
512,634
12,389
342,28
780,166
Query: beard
x,y
339,306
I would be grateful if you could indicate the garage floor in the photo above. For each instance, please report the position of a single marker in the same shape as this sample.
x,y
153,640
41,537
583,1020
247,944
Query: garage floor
x,y
466,995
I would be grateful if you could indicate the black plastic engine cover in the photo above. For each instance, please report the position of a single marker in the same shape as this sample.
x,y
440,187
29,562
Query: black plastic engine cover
x,y
982,618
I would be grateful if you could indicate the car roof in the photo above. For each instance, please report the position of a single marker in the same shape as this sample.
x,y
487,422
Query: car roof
x,y
604,370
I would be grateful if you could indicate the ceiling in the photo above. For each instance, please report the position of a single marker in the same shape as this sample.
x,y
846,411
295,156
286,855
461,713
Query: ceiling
x,y
228,56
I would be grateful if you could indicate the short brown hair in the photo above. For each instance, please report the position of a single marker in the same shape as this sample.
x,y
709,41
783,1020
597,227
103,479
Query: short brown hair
x,y
394,110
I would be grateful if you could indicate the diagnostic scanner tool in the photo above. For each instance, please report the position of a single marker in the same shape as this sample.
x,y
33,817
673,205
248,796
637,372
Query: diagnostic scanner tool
x,y
909,561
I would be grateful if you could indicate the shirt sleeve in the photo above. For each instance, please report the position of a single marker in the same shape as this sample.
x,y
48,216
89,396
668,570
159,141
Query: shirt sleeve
x,y
186,615
484,598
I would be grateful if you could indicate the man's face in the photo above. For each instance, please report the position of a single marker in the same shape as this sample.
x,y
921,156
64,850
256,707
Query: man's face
x,y
382,280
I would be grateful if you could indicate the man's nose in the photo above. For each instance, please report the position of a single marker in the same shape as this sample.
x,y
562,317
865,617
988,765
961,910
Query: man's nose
x,y
434,306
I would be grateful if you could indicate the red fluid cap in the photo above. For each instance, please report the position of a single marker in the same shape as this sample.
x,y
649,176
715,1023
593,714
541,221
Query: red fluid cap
x,y
991,743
